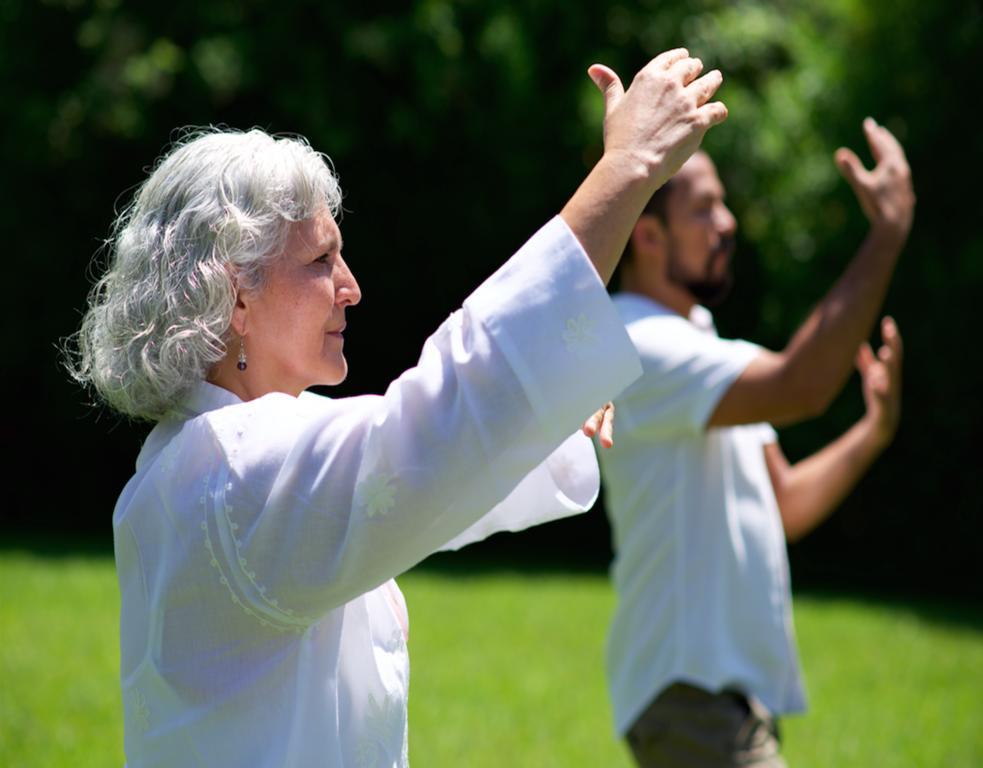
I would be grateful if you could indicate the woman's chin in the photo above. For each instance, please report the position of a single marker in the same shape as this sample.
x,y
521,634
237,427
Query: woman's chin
x,y
334,375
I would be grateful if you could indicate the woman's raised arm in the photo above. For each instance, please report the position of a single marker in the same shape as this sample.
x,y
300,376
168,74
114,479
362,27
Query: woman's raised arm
x,y
649,132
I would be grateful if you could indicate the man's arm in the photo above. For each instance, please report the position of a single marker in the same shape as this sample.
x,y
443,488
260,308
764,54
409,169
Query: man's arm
x,y
801,381
808,491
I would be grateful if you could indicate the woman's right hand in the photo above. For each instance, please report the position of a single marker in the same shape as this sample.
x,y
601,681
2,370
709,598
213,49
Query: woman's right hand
x,y
662,117
649,132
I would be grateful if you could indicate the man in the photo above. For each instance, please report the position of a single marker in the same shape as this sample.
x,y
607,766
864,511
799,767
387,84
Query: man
x,y
701,653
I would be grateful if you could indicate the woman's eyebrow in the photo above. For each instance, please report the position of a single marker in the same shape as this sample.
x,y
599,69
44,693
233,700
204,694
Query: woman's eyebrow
x,y
332,244
329,244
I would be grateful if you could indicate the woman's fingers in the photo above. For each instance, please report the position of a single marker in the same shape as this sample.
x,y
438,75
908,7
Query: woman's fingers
x,y
607,80
715,112
593,423
607,426
601,424
667,58
706,86
688,69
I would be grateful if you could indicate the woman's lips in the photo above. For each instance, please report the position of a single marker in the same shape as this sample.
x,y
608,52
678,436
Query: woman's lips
x,y
338,333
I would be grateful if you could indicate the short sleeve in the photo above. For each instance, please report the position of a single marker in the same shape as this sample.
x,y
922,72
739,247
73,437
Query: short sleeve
x,y
686,371
766,433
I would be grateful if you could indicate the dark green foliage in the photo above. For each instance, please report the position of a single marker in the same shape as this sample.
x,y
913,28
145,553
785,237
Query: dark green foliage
x,y
457,128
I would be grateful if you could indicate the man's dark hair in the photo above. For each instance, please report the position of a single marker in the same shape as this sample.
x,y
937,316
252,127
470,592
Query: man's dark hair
x,y
656,206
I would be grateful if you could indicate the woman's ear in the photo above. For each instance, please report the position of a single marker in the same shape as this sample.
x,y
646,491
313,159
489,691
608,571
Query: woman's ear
x,y
240,313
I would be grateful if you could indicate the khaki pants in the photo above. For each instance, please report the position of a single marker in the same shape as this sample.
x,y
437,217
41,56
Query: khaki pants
x,y
691,728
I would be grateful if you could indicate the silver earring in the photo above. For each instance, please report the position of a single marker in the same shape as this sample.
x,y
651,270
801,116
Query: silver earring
x,y
241,365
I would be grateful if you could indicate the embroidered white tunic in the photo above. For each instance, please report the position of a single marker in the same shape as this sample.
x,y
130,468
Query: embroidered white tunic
x,y
257,542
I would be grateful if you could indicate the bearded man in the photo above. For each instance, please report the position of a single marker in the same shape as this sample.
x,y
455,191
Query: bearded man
x,y
701,654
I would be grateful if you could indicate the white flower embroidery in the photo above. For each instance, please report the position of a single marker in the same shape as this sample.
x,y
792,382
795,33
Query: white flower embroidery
x,y
579,333
377,494
385,723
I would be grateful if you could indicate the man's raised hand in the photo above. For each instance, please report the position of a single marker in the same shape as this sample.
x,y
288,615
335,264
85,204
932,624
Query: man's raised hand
x,y
880,374
885,193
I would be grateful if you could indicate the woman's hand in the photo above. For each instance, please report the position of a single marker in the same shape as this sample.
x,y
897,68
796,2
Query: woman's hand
x,y
662,117
649,132
602,424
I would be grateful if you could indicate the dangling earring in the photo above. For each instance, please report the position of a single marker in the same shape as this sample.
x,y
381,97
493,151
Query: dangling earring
x,y
241,365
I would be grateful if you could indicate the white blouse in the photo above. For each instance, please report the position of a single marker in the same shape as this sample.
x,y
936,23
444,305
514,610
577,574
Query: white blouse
x,y
257,542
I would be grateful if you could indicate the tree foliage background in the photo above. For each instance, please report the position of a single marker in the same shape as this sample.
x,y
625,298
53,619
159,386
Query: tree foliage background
x,y
458,127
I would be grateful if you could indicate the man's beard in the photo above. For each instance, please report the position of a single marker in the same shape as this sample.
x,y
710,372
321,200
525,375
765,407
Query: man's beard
x,y
708,291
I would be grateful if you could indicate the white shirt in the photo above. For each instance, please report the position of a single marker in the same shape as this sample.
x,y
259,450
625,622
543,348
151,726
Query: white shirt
x,y
701,569
257,541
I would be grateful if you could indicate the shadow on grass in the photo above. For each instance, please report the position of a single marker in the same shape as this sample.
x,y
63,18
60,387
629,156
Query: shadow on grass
x,y
578,544
58,545
566,547
963,613
537,554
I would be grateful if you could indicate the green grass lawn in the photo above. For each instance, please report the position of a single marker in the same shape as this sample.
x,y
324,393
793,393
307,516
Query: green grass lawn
x,y
59,662
507,671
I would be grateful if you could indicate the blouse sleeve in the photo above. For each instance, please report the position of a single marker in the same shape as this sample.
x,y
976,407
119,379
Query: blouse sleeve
x,y
313,504
567,483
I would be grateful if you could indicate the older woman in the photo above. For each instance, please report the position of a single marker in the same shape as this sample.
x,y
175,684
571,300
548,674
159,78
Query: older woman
x,y
257,542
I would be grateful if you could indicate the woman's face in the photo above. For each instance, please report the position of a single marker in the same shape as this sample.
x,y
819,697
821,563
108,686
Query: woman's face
x,y
293,324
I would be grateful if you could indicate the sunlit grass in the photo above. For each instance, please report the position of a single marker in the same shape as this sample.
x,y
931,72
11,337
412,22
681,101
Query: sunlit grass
x,y
890,684
508,670
59,662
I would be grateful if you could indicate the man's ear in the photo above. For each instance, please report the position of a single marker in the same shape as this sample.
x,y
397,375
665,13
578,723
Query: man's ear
x,y
648,237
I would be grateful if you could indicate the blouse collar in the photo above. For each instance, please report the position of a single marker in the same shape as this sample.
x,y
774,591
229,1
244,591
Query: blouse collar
x,y
205,397
202,398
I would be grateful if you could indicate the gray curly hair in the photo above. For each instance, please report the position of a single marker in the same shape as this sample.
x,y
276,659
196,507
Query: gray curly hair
x,y
210,218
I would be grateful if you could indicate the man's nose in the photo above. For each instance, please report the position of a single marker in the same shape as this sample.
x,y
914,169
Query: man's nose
x,y
726,223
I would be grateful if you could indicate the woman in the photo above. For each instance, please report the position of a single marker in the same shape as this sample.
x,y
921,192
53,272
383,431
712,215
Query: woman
x,y
257,542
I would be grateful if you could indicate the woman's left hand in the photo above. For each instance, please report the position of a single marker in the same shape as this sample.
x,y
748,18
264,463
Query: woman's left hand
x,y
602,424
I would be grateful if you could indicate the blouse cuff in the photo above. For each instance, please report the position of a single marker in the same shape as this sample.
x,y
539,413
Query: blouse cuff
x,y
566,484
552,318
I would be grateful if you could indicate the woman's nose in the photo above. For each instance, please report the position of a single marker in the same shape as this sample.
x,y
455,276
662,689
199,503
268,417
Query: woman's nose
x,y
347,291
